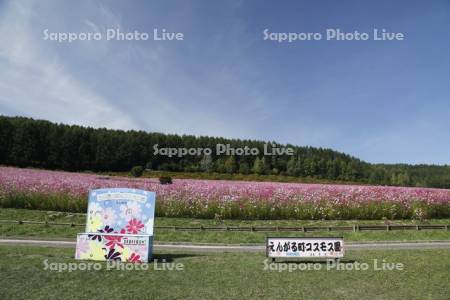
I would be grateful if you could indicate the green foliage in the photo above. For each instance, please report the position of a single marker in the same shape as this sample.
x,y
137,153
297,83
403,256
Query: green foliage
x,y
35,143
258,166
244,209
291,166
55,202
230,165
244,168
165,180
206,164
266,165
137,171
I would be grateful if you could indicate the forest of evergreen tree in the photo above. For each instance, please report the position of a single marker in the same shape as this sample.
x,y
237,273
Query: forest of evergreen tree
x,y
26,142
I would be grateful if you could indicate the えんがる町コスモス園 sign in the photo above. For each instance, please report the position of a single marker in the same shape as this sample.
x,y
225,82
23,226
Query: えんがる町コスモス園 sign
x,y
305,247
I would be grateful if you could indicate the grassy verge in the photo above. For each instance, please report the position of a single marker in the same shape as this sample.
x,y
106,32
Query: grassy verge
x,y
168,235
226,276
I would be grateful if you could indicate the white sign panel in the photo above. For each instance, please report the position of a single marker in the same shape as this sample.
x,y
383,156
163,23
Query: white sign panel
x,y
310,247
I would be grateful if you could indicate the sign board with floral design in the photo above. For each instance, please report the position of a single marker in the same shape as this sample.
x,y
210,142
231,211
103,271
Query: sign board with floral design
x,y
134,248
119,226
128,211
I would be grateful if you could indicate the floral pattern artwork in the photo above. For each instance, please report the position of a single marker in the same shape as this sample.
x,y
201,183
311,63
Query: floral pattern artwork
x,y
134,258
136,249
134,226
108,216
122,209
130,210
113,241
112,255
83,246
119,226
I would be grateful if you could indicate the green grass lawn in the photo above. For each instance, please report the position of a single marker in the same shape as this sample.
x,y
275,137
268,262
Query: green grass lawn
x,y
168,235
426,275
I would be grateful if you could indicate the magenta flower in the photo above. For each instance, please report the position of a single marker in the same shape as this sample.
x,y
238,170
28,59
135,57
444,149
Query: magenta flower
x,y
134,226
235,199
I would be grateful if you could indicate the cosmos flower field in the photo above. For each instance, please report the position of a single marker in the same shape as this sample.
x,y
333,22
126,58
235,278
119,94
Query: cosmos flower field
x,y
64,191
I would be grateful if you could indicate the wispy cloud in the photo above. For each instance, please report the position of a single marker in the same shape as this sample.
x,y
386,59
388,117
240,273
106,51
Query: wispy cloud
x,y
223,80
35,81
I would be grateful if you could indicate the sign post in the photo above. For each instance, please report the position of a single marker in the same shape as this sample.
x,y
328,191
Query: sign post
x,y
305,247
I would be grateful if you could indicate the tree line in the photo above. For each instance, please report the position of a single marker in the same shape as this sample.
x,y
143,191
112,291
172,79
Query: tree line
x,y
26,142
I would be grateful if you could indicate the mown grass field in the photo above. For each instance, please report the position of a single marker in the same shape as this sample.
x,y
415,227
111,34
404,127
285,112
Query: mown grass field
x,y
426,275
226,237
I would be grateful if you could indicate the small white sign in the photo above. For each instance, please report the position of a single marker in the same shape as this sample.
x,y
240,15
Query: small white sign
x,y
310,247
121,196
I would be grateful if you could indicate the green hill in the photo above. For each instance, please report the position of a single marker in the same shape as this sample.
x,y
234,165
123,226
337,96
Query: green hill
x,y
26,142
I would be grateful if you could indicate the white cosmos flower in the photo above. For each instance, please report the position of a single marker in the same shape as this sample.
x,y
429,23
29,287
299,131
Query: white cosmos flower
x,y
130,210
108,216
95,208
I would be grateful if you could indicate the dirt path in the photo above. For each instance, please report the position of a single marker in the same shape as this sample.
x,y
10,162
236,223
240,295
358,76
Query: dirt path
x,y
243,248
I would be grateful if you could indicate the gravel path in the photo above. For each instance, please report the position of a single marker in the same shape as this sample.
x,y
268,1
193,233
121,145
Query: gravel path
x,y
243,248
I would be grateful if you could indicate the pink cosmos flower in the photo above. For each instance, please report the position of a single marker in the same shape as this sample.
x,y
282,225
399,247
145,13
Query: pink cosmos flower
x,y
134,258
114,240
134,226
205,197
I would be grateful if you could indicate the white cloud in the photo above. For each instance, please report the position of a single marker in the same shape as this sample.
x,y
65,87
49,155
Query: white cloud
x,y
35,82
38,81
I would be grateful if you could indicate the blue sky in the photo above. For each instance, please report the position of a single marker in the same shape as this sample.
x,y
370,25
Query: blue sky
x,y
381,101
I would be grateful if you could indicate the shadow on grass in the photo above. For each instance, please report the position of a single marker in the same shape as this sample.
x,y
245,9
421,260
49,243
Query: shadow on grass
x,y
170,257
321,262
